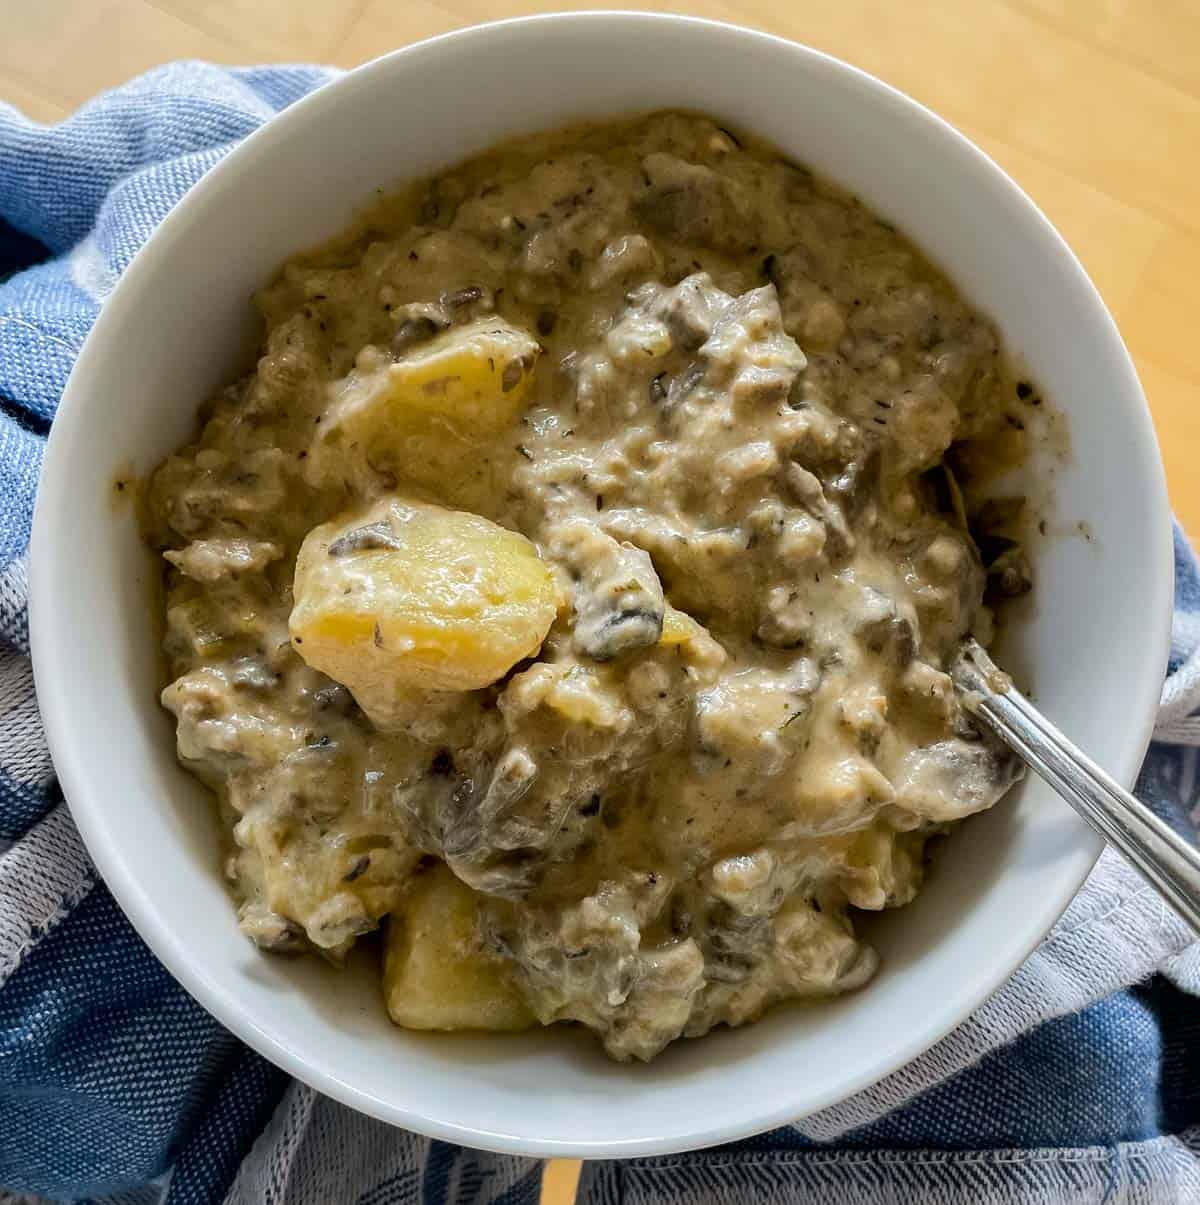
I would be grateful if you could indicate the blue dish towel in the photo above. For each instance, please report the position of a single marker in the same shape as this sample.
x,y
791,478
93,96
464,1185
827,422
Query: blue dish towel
x,y
1079,1081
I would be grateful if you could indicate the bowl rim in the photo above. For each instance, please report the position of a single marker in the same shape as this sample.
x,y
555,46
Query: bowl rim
x,y
53,673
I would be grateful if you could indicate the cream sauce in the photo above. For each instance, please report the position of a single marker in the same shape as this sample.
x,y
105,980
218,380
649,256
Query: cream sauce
x,y
747,392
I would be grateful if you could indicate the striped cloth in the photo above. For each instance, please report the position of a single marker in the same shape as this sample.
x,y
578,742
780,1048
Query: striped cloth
x,y
1077,1082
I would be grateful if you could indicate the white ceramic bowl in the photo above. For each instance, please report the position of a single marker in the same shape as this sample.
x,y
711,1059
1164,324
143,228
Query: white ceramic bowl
x,y
177,327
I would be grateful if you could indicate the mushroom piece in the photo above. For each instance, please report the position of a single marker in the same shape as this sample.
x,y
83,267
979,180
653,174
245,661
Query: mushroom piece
x,y
618,599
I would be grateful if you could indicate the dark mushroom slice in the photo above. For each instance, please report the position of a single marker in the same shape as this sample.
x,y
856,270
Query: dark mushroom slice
x,y
334,698
997,516
251,673
691,310
480,825
1010,574
954,778
693,204
807,490
958,506
494,837
360,867
733,944
851,486
685,382
413,331
434,805
880,626
619,606
270,931
458,299
363,539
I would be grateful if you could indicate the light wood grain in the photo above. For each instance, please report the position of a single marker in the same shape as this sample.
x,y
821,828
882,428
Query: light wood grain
x,y
560,1181
1093,106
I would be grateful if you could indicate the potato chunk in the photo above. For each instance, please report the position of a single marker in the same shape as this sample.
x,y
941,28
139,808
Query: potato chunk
x,y
404,596
679,627
422,417
437,974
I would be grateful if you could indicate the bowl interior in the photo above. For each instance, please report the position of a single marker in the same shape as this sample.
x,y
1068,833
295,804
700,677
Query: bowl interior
x,y
1093,644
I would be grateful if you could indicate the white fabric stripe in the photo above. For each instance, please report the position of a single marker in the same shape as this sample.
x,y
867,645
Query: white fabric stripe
x,y
314,1150
43,876
1159,1171
1185,633
1184,970
1179,732
1181,691
14,588
24,755
1062,975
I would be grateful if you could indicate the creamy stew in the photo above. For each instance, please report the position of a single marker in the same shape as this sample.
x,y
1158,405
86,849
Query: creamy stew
x,y
569,588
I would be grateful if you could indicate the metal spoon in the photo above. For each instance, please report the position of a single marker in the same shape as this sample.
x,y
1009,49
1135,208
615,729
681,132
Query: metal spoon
x,y
1168,862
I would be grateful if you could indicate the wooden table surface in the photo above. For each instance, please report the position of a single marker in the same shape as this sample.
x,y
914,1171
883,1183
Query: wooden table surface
x,y
1093,106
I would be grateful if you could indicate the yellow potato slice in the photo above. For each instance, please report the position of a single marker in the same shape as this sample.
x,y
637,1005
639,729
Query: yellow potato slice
x,y
423,417
679,627
437,974
405,596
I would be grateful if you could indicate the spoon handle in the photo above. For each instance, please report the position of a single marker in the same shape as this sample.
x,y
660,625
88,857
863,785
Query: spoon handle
x,y
1169,862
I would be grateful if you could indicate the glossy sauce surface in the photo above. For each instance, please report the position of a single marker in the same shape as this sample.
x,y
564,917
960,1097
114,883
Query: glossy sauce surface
x,y
728,440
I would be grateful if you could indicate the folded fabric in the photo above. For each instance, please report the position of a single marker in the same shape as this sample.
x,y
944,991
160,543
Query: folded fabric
x,y
1068,1085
